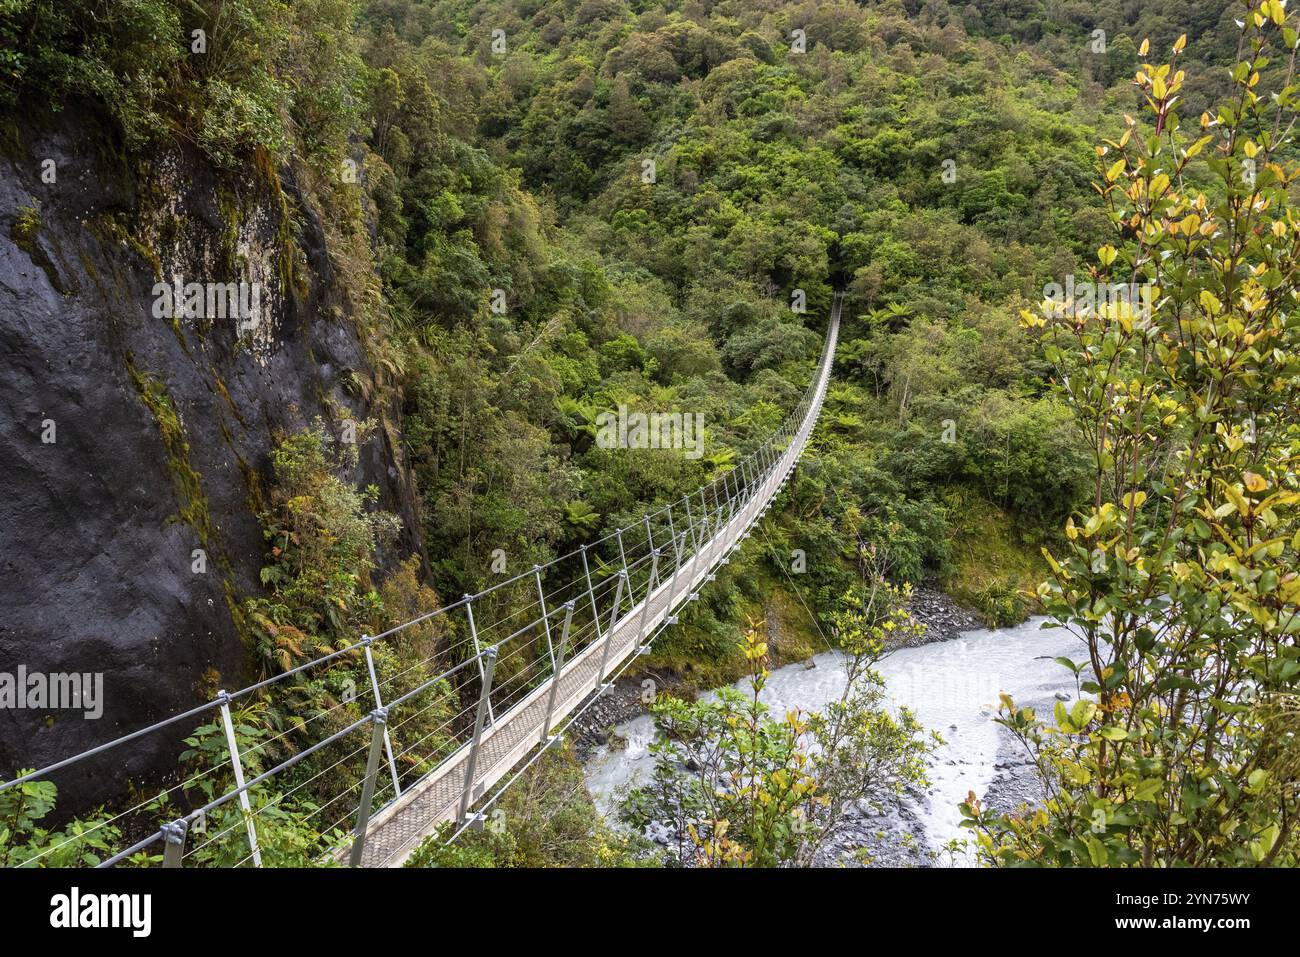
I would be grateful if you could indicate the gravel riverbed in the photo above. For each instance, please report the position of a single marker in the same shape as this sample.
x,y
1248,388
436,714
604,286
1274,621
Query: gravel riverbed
x,y
950,678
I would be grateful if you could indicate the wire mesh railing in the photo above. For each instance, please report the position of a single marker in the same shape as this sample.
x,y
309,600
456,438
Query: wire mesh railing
x,y
251,793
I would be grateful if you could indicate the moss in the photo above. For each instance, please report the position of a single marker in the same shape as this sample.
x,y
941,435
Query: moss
x,y
264,161
11,140
187,482
189,486
225,394
112,229
144,252
232,215
294,281
169,230
88,265
25,227
257,502
180,336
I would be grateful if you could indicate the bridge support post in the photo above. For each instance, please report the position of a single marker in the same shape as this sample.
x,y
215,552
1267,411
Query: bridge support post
x,y
559,668
174,842
725,501
591,595
378,722
613,626
238,767
702,536
546,619
379,703
690,523
679,546
478,653
672,535
471,766
649,593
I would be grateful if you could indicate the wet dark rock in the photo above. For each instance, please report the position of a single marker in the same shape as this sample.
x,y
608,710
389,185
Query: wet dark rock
x,y
594,726
943,617
98,530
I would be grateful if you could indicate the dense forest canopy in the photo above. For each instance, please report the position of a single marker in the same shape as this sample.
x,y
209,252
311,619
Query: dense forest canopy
x,y
935,158
548,210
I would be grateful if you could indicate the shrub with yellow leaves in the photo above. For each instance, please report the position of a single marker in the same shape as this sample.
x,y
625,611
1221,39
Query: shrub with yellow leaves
x,y
1180,577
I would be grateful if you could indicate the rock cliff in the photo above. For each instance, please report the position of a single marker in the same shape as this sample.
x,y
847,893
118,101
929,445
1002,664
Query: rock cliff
x,y
134,443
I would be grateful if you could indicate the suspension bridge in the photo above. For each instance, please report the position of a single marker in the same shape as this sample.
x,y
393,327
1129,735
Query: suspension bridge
x,y
440,745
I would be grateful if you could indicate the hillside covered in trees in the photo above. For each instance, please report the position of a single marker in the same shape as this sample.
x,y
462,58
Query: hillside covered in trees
x,y
647,189
524,214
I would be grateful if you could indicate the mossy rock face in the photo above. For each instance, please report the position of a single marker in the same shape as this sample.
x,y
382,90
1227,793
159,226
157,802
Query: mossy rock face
x,y
188,484
128,545
25,226
996,565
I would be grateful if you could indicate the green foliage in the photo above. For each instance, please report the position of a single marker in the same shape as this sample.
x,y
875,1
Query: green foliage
x,y
25,227
322,537
1180,574
1000,603
514,275
773,172
761,790
81,842
546,820
259,69
995,564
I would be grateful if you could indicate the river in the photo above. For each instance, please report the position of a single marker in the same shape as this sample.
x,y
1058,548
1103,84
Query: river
x,y
951,686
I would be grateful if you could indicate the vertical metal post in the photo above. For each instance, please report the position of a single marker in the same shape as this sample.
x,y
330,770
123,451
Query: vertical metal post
x,y
235,763
546,620
379,703
555,678
649,592
471,766
591,594
622,555
378,721
650,539
679,544
672,534
473,633
174,842
695,555
613,626
690,522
